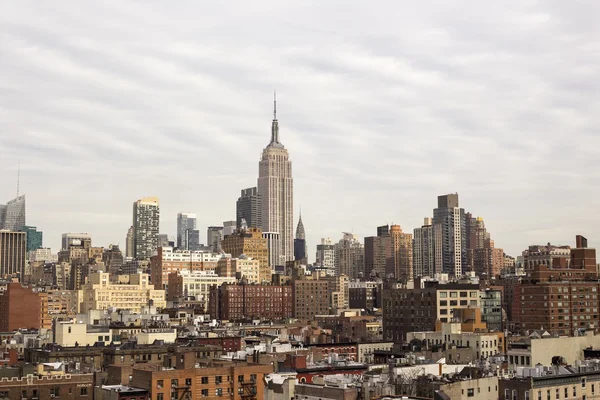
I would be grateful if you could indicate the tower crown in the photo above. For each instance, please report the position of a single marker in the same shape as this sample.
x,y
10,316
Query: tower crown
x,y
275,126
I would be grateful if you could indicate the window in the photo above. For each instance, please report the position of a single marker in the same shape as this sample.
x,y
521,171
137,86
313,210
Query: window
x,y
174,382
204,392
218,392
205,380
566,393
218,379
506,394
240,378
4,394
160,396
252,377
443,295
540,395
575,391
188,381
527,395
160,384
470,392
35,394
453,295
83,391
54,391
548,395
240,390
557,394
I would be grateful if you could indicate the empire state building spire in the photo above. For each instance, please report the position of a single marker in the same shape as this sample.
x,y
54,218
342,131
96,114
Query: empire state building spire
x,y
275,125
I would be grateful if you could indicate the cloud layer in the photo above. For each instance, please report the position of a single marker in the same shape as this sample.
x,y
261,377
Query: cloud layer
x,y
383,106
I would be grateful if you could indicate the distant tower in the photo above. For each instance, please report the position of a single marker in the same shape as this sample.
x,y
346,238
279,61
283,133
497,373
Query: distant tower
x,y
276,191
146,216
185,221
248,207
300,242
129,243
450,236
12,215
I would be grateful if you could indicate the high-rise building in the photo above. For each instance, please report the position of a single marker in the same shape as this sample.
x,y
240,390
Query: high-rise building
x,y
146,217
192,239
482,256
13,246
311,297
450,235
248,208
113,259
129,243
300,253
76,239
402,250
423,250
12,215
23,307
34,237
276,191
326,255
350,257
273,248
379,259
185,221
214,235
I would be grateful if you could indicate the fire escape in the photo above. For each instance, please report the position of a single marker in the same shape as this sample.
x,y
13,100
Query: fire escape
x,y
181,392
249,392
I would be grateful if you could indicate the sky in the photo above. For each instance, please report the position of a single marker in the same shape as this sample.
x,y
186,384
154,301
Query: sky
x,y
383,106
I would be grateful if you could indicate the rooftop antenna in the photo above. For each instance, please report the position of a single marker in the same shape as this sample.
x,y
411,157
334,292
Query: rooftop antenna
x,y
18,176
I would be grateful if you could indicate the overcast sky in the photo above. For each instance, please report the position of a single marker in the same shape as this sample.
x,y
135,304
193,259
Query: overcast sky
x,y
382,105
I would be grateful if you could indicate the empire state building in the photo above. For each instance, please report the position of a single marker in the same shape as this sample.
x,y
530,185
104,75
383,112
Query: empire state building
x,y
276,191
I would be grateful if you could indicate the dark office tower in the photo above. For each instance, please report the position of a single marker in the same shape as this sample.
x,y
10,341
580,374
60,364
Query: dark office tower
x,y
299,249
12,253
248,207
450,236
34,237
146,215
185,221
192,239
12,215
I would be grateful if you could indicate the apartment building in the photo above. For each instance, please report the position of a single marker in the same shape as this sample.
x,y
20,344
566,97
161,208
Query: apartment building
x,y
410,310
311,297
168,260
196,284
99,293
235,302
209,380
23,307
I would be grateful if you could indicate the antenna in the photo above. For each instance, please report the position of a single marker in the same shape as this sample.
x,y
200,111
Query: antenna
x,y
18,176
274,104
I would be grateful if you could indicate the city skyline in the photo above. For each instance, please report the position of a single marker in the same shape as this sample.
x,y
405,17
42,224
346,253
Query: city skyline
x,y
377,126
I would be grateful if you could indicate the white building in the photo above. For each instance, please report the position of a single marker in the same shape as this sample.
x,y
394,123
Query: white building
x,y
274,246
43,254
276,190
198,283
170,254
326,255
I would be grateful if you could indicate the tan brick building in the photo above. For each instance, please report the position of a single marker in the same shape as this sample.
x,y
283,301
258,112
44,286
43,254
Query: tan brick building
x,y
311,297
251,243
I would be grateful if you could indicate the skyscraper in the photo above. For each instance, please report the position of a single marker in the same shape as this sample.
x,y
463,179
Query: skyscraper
x,y
273,248
146,216
482,256
129,243
423,251
13,246
12,215
300,243
379,258
449,231
34,237
349,257
326,256
75,239
402,253
185,221
276,191
214,235
248,208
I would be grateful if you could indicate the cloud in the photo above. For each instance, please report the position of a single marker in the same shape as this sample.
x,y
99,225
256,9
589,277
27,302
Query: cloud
x,y
382,107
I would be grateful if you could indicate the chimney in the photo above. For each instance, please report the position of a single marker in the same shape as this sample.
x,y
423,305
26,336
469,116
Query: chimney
x,y
580,242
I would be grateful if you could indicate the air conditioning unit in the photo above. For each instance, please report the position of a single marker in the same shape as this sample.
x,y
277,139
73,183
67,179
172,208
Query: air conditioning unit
x,y
52,395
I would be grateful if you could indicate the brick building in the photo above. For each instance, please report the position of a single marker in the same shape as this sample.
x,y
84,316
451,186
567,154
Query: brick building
x,y
235,302
412,310
69,387
209,380
311,297
557,298
21,307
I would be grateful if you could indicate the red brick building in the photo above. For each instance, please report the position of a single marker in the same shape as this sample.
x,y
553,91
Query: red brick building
x,y
560,299
227,343
238,302
21,307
